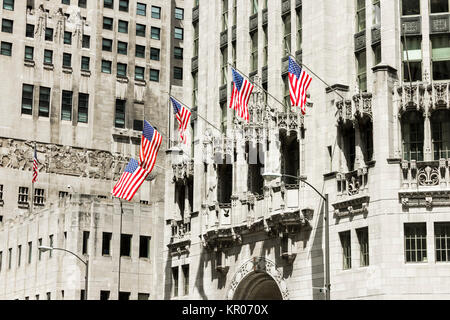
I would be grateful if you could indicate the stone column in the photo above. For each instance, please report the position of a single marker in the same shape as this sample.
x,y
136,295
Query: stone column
x,y
427,155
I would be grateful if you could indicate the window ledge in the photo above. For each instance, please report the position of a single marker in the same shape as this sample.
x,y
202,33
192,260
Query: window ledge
x,y
140,82
48,66
67,69
86,73
23,205
122,79
29,63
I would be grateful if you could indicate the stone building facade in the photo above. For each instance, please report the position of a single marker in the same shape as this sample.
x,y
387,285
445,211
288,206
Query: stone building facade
x,y
374,138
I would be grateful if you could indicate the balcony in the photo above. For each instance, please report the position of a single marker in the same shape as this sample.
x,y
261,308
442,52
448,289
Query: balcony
x,y
358,107
180,240
223,38
422,96
183,169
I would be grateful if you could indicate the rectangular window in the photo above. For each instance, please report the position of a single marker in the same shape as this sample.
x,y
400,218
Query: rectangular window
x,y
141,9
9,258
104,295
119,119
83,107
178,33
254,6
7,25
287,97
179,13
39,251
138,125
121,70
154,54
107,23
6,48
29,53
108,4
124,295
185,269
143,296
106,243
30,251
67,60
82,3
86,43
66,105
442,240
48,34
299,28
363,239
67,37
156,12
140,51
361,70
224,15
85,62
123,5
27,99
48,57
125,245
224,65
123,26
178,73
49,296
44,102
410,7
85,242
376,53
140,30
29,33
412,50
441,56
254,52
19,255
178,53
287,33
106,66
195,89
122,47
438,6
415,242
139,73
175,281
65,2
144,247
39,199
107,45
8,5
50,244
155,33
360,15
196,40
154,75
346,250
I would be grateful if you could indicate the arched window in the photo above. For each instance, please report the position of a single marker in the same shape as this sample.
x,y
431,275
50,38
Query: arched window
x,y
440,134
366,138
348,135
412,136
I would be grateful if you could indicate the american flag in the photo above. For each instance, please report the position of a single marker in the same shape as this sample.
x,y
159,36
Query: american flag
x,y
183,116
130,181
150,143
35,167
299,82
242,89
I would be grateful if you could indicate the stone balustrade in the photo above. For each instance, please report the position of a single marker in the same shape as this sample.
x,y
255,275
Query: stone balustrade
x,y
424,96
359,106
425,174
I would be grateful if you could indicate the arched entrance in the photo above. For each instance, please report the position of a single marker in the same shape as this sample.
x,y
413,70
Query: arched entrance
x,y
258,279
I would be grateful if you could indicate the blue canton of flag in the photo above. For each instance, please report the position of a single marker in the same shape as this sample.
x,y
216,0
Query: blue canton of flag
x,y
130,181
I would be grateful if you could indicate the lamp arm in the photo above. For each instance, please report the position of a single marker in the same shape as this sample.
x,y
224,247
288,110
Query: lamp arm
x,y
85,263
298,178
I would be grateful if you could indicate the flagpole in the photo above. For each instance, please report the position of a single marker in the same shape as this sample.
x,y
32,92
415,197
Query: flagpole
x,y
328,86
281,103
120,247
32,181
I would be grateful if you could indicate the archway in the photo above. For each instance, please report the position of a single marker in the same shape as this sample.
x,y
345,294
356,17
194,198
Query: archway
x,y
258,286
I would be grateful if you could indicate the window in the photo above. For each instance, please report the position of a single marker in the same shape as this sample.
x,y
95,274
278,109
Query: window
x,y
65,2
86,43
234,12
287,97
107,45
224,15
143,296
376,53
287,33
85,62
48,34
156,12
39,199
29,53
125,245
83,105
224,65
254,52
29,33
154,54
122,47
139,73
66,105
67,37
361,70
154,75
144,247
196,40
50,244
30,251
299,29
82,3
346,250
442,240
225,180
8,5
39,251
107,23
49,296
415,242
439,6
106,66
6,48
412,135
178,53
195,89
178,33
9,257
7,25
85,242
140,30
108,4
124,295
106,243
67,60
104,295
440,133
178,73
363,239
410,7
179,13
48,57
138,125
19,255
376,12
123,27
121,70
141,9
27,100
119,119
140,51
441,56
412,51
361,15
123,5
175,281
82,295
155,33
185,269
37,297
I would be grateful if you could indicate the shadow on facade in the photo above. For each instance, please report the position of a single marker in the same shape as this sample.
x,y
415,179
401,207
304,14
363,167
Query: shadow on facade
x,y
317,271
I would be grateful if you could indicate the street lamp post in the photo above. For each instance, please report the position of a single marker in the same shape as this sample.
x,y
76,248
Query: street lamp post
x,y
86,263
270,176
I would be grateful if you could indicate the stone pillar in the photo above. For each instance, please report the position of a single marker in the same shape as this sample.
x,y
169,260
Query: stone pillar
x,y
427,155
